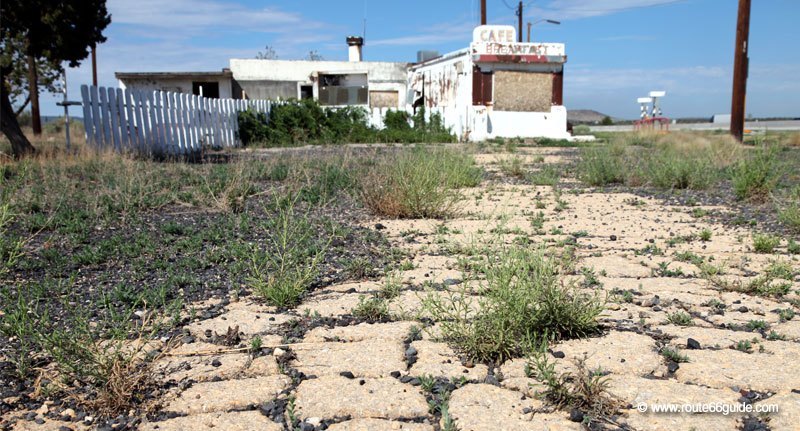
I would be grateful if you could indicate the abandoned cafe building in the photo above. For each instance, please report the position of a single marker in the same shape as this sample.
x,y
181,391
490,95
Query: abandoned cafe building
x,y
496,87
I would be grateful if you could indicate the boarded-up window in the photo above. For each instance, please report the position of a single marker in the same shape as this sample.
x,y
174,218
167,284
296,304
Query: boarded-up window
x,y
383,99
481,87
523,91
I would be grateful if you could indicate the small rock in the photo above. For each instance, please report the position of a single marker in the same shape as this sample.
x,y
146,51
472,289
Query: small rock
x,y
491,380
304,426
216,363
451,281
576,415
347,374
743,309
559,355
672,367
613,306
411,352
42,410
278,352
314,421
69,413
613,238
693,344
379,226
395,374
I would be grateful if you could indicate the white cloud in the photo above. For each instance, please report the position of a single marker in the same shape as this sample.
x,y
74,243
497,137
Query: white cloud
x,y
577,9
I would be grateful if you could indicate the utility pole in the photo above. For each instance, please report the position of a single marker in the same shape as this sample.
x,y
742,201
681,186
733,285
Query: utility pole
x,y
741,65
94,66
483,12
529,31
519,27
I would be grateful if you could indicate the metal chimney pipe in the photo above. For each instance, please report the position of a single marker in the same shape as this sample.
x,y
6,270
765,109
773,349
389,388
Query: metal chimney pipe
x,y
355,43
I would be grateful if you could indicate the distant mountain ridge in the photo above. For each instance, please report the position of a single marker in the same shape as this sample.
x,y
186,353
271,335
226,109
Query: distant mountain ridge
x,y
586,116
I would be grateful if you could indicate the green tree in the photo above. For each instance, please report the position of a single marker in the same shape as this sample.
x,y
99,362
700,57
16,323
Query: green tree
x,y
607,121
54,31
48,74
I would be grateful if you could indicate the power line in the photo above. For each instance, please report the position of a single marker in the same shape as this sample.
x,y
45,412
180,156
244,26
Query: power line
x,y
621,9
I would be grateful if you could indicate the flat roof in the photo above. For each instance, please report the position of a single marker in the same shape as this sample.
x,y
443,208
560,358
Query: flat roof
x,y
166,75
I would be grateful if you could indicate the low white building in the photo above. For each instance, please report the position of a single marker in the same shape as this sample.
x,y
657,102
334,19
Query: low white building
x,y
496,87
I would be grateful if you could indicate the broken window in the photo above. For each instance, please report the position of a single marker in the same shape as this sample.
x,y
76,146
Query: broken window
x,y
343,89
306,92
206,89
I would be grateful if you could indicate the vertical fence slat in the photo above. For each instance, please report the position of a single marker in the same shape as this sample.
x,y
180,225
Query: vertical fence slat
x,y
98,129
154,136
115,120
124,139
106,117
195,116
130,110
87,116
169,130
187,118
179,124
141,114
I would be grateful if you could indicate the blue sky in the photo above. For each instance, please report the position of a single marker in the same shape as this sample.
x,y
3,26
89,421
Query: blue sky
x,y
618,49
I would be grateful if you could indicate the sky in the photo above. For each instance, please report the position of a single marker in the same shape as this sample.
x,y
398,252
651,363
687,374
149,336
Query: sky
x,y
617,50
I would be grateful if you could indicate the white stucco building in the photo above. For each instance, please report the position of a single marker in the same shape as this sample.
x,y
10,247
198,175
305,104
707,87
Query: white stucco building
x,y
496,87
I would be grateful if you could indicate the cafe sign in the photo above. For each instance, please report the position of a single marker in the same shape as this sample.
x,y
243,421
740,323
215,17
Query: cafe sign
x,y
498,43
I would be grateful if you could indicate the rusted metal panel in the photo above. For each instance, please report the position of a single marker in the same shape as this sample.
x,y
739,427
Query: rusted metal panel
x,y
558,88
482,83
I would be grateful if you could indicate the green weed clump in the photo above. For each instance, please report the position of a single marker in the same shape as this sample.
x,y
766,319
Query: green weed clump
x,y
765,243
522,303
601,166
421,183
283,272
755,177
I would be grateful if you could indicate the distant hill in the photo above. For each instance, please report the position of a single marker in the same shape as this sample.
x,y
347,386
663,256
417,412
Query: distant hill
x,y
585,116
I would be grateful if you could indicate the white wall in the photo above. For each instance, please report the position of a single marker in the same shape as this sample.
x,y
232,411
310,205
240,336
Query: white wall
x,y
171,84
383,76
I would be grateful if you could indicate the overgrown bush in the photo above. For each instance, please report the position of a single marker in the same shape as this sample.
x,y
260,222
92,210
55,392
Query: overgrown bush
x,y
420,183
306,122
601,166
523,302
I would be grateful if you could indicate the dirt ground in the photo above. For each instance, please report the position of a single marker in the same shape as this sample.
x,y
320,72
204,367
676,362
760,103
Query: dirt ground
x,y
329,373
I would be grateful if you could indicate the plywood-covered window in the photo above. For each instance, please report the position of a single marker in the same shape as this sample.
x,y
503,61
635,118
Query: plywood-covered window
x,y
523,91
384,99
343,89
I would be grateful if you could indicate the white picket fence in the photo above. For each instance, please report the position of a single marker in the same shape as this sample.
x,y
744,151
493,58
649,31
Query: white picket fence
x,y
162,123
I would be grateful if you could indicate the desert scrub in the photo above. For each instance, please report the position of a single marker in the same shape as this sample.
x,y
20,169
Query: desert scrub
x,y
418,183
601,166
756,176
585,390
765,243
285,270
789,210
100,359
513,166
522,302
673,161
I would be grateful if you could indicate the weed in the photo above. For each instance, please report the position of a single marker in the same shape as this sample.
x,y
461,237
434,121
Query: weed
x,y
419,184
547,175
680,318
705,235
601,166
786,314
372,309
586,390
663,270
688,256
756,176
674,355
744,346
590,278
765,243
793,247
283,273
523,302
512,166
757,325
774,336
649,250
